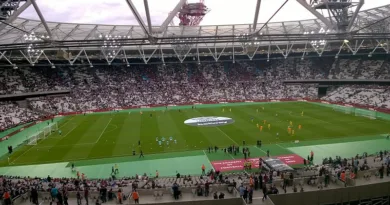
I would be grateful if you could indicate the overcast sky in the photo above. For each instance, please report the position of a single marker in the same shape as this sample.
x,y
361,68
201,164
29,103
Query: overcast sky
x,y
221,11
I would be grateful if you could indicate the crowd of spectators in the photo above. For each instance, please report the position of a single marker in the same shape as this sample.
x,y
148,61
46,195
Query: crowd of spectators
x,y
12,115
141,85
206,184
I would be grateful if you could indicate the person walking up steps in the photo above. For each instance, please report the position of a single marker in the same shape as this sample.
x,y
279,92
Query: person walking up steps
x,y
116,169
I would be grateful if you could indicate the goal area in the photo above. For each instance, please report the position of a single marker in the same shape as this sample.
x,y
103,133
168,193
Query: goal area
x,y
356,111
366,113
42,134
344,109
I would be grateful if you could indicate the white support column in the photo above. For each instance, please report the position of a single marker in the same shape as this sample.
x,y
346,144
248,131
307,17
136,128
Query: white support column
x,y
147,12
257,11
352,21
137,17
15,14
316,13
41,17
172,15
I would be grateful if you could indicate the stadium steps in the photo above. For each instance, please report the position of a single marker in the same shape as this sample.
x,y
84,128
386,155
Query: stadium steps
x,y
23,103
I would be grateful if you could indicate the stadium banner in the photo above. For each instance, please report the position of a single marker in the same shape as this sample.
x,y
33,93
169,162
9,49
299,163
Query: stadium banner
x,y
4,138
325,102
249,101
172,105
198,103
223,102
275,100
145,106
238,164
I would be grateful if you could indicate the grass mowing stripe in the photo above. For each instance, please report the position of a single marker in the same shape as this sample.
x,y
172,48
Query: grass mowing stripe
x,y
125,129
101,134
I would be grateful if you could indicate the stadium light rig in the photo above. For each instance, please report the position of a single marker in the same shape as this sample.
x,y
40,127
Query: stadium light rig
x,y
32,39
111,45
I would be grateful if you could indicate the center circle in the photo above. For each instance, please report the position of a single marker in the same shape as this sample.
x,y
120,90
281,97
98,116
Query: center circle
x,y
212,121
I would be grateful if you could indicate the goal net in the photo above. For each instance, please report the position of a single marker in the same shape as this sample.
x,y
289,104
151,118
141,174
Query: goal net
x,y
34,138
365,113
42,134
344,109
53,127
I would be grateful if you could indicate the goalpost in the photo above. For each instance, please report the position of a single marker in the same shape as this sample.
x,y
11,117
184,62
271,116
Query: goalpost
x,y
53,127
344,109
42,134
365,113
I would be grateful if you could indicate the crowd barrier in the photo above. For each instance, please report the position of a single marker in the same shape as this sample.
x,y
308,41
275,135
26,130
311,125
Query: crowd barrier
x,y
334,196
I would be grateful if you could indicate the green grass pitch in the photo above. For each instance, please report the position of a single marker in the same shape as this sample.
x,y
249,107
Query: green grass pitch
x,y
117,134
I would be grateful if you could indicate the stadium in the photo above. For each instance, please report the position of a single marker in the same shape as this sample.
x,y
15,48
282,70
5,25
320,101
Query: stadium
x,y
267,112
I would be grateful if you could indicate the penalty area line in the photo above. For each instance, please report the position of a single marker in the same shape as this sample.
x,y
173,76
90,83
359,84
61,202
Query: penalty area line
x,y
101,134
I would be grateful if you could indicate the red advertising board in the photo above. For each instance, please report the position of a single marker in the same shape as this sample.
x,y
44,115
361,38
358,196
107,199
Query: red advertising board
x,y
238,164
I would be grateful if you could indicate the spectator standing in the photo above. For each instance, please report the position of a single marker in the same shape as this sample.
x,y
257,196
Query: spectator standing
x,y
135,196
78,196
86,195
265,192
34,196
7,198
119,196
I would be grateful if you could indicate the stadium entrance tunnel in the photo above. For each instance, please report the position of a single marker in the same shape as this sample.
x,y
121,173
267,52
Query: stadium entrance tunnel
x,y
209,121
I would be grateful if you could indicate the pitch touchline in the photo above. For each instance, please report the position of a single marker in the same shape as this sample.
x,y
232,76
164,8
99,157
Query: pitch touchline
x,y
101,134
113,156
260,149
208,159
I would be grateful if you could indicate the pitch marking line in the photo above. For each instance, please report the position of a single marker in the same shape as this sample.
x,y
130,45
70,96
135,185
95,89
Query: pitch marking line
x,y
226,135
260,149
61,137
208,159
66,122
221,131
281,146
13,162
101,134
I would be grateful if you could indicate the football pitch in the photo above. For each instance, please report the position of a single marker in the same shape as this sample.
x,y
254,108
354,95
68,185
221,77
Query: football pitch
x,y
117,134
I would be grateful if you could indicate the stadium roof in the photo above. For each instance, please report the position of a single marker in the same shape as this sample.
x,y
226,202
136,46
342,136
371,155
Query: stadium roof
x,y
70,31
370,30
